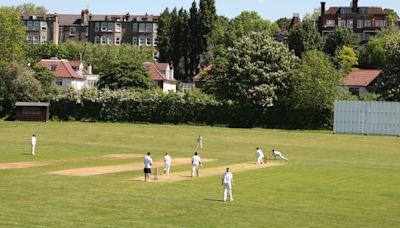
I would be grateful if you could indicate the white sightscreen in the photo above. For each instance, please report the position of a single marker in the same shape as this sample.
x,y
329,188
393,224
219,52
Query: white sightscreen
x,y
367,117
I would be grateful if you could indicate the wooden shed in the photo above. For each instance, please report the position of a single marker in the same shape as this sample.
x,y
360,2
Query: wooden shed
x,y
32,111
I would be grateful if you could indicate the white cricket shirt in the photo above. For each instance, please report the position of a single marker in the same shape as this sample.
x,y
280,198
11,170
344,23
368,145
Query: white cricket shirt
x,y
147,162
228,177
260,153
196,160
167,159
33,140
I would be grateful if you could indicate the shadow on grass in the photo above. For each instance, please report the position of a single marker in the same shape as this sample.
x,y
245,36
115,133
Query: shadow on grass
x,y
215,200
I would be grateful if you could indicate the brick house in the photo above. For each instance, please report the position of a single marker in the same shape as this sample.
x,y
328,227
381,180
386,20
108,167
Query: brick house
x,y
364,21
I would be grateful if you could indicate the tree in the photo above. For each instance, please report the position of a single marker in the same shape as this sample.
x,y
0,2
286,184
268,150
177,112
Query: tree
x,y
258,71
283,23
164,36
338,38
12,35
316,88
194,39
305,37
208,15
126,74
30,8
393,17
347,59
388,86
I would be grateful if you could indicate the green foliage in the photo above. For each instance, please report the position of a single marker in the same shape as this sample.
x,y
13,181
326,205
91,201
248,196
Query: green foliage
x,y
207,18
338,38
283,23
125,74
347,59
392,17
12,35
388,86
250,21
30,8
164,36
257,71
305,37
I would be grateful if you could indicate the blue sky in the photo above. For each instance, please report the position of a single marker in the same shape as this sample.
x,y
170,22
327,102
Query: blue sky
x,y
269,9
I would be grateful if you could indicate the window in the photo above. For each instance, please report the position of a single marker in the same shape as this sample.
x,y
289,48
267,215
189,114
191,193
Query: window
x,y
155,42
117,27
103,40
330,23
379,23
59,82
135,27
35,39
134,40
29,38
110,26
61,34
104,26
31,110
96,40
149,27
141,41
349,23
43,25
43,39
86,31
148,41
342,23
96,26
360,24
367,23
72,31
117,40
36,25
155,27
142,27
53,67
109,40
29,24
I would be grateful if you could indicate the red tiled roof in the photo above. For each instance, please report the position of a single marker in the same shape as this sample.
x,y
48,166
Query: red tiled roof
x,y
208,76
332,10
370,10
155,72
63,68
361,77
375,10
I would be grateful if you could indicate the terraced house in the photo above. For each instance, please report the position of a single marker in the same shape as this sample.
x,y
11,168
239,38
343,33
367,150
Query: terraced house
x,y
101,29
364,21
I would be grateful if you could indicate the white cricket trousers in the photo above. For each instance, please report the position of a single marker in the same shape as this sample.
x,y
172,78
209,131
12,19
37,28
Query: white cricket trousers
x,y
260,160
167,168
33,149
227,188
195,170
280,155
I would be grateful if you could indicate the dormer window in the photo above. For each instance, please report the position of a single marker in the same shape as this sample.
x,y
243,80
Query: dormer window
x,y
53,67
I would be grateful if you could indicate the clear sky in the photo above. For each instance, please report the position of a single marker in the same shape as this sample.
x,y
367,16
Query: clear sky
x,y
269,9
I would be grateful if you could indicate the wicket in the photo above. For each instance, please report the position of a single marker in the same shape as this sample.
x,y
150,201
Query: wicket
x,y
156,174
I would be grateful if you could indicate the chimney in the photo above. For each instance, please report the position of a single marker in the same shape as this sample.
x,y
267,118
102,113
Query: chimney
x,y
84,16
322,9
355,6
89,69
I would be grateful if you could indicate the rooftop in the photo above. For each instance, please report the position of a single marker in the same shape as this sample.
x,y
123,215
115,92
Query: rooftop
x,y
361,77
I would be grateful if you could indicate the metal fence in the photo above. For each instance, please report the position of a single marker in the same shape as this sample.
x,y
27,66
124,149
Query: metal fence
x,y
367,117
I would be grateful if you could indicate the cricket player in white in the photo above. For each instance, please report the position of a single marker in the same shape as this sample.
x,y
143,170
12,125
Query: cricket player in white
x,y
167,163
199,142
260,156
33,144
196,163
227,182
276,153
148,161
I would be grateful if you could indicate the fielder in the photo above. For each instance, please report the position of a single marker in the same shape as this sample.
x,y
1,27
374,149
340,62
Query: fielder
x,y
260,156
276,153
167,163
148,161
196,163
199,142
227,182
33,143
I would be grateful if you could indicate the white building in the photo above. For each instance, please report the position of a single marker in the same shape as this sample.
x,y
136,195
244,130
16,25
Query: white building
x,y
71,74
163,75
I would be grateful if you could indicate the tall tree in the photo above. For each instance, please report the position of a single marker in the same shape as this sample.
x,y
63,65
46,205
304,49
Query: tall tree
x,y
12,35
338,38
164,36
283,23
194,39
347,59
30,8
250,21
305,37
393,17
208,15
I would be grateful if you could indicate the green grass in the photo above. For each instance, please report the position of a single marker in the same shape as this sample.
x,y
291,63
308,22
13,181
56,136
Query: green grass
x,y
329,181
